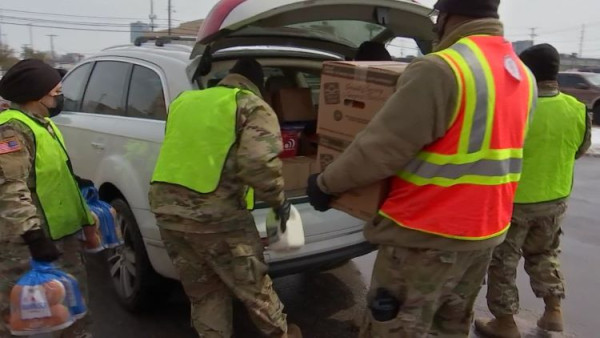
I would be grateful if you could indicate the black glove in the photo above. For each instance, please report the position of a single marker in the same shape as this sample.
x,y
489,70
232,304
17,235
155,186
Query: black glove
x,y
83,182
283,214
318,199
42,248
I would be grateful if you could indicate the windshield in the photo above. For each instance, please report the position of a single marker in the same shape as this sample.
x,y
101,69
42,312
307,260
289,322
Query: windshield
x,y
351,30
594,79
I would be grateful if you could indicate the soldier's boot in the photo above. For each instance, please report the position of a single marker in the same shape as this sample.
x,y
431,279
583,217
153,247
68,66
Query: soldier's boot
x,y
500,327
293,331
552,319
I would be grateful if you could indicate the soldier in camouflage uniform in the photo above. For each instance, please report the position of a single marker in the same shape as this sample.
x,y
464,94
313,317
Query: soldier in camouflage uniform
x,y
211,237
559,134
32,86
429,270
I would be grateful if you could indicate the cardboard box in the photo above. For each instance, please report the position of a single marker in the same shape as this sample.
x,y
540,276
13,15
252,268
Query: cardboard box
x,y
363,203
294,105
296,171
352,93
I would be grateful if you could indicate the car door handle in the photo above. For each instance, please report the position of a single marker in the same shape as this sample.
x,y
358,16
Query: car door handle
x,y
98,145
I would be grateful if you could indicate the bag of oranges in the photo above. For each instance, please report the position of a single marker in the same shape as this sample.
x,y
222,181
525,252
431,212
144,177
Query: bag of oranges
x,y
74,299
105,232
38,302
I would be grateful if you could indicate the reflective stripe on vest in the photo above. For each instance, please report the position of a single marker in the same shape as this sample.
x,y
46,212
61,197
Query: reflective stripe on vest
x,y
462,185
200,133
63,206
549,154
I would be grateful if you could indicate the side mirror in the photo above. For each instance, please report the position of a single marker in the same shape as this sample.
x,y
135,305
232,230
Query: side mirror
x,y
582,85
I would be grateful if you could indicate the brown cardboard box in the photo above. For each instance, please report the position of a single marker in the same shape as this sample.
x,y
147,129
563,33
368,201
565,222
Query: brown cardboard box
x,y
296,171
294,105
363,203
352,93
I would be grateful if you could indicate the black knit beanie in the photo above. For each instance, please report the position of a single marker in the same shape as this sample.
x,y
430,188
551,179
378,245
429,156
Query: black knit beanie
x,y
543,60
372,51
252,70
470,8
28,80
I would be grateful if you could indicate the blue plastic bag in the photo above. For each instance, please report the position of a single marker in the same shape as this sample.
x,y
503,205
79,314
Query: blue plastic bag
x,y
74,299
38,302
110,234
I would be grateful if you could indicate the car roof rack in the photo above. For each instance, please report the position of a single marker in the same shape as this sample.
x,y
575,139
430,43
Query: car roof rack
x,y
160,41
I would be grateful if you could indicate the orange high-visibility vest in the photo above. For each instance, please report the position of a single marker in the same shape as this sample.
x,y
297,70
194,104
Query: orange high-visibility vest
x,y
462,185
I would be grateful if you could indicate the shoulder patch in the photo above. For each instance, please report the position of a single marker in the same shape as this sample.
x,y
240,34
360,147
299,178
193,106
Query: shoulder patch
x,y
511,66
9,145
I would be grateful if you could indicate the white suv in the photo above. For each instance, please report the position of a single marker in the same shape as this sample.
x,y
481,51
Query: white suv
x,y
116,104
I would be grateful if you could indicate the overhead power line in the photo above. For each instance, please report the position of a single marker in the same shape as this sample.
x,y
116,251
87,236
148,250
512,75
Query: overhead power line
x,y
191,31
63,22
79,16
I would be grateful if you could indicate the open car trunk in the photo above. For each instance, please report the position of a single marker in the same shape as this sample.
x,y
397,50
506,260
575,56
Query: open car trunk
x,y
333,26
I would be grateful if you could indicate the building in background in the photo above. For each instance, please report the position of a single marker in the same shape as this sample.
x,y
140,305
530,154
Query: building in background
x,y
189,29
573,62
68,61
138,29
520,46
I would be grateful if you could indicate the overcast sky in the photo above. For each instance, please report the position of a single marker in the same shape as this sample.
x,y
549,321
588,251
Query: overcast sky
x,y
556,21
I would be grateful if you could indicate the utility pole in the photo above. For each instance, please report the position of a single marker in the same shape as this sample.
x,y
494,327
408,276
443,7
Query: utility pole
x,y
169,17
1,35
533,35
31,36
152,15
581,40
51,36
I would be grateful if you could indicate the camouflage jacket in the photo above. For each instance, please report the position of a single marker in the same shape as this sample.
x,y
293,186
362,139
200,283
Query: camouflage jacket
x,y
253,162
424,101
20,209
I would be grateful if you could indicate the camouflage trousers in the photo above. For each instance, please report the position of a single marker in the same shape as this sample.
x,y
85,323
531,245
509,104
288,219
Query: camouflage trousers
x,y
14,262
535,238
214,267
436,290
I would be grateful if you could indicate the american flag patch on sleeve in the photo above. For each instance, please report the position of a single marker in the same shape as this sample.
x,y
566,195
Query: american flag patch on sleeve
x,y
9,145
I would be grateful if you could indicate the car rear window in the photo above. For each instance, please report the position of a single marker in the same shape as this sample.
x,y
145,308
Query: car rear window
x,y
146,97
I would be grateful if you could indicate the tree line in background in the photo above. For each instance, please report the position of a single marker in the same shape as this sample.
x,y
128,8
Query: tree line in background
x,y
8,56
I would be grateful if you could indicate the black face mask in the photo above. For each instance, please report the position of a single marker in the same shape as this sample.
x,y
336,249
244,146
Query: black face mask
x,y
57,109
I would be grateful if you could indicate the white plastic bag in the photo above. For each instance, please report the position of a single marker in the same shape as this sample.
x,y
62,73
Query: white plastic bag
x,y
290,239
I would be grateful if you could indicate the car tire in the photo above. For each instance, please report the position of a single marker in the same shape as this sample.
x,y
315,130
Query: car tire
x,y
134,280
596,114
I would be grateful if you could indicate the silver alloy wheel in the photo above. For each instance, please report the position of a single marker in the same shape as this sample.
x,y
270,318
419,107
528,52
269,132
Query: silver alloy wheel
x,y
122,262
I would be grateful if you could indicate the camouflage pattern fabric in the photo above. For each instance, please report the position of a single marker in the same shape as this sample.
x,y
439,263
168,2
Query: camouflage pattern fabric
x,y
14,262
214,267
253,162
534,235
212,238
436,290
20,210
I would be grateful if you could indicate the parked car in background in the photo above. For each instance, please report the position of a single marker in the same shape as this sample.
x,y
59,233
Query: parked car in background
x,y
116,104
585,87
